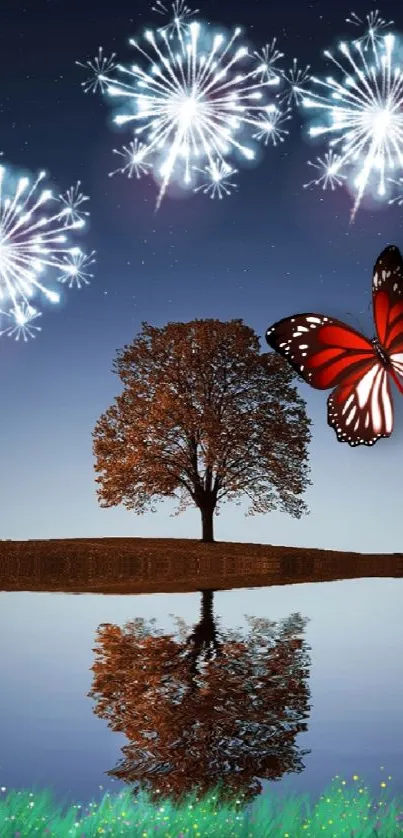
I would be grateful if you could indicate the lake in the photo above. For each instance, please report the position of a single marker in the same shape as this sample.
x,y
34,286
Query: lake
x,y
294,682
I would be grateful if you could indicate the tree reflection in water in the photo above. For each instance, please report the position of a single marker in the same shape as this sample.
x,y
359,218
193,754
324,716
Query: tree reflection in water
x,y
204,708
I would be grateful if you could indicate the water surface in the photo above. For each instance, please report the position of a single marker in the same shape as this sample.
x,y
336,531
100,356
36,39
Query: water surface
x,y
342,672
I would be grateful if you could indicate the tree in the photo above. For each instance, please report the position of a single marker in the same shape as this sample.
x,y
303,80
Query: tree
x,y
204,707
203,417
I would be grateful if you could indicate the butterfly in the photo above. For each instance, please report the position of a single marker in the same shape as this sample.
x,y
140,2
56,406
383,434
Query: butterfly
x,y
327,353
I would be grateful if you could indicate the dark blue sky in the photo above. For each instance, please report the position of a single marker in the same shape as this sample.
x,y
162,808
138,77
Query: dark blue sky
x,y
270,250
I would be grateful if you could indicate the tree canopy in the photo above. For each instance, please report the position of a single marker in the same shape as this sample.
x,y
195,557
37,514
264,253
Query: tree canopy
x,y
204,417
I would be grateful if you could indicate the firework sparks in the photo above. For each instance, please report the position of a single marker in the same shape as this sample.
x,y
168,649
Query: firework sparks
x,y
296,80
33,241
363,114
192,106
218,181
180,14
74,268
328,168
99,66
72,201
21,323
134,160
375,26
397,199
267,58
270,126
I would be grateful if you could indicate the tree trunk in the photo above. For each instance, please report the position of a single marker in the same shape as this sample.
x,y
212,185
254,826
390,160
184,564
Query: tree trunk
x,y
207,523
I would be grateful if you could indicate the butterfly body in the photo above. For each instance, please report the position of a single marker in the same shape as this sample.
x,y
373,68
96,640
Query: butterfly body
x,y
382,355
328,353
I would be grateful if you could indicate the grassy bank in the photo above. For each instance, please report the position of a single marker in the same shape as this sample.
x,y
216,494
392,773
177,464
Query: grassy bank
x,y
344,809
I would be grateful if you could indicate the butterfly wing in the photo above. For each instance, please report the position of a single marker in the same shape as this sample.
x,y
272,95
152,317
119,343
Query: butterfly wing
x,y
361,410
368,404
322,350
387,300
327,353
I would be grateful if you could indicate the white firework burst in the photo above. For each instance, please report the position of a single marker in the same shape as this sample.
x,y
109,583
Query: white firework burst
x,y
269,128
329,174
72,200
74,268
193,104
218,181
296,80
397,199
363,114
100,66
36,238
375,26
134,160
180,14
267,59
21,322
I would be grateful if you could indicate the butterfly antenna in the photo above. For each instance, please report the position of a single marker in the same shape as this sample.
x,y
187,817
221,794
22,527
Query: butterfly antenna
x,y
356,320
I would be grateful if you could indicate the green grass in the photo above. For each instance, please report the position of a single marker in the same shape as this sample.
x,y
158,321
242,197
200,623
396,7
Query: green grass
x,y
341,810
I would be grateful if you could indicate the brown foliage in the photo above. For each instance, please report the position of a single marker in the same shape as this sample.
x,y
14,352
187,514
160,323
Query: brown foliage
x,y
205,707
203,417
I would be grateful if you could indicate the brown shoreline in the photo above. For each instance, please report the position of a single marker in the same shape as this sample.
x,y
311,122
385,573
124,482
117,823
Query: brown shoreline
x,y
158,565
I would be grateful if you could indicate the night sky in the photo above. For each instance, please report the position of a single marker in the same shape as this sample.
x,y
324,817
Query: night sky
x,y
269,250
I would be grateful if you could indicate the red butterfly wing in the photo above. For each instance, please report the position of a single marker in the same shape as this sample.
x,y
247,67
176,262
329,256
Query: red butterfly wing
x,y
325,352
387,299
361,412
328,353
